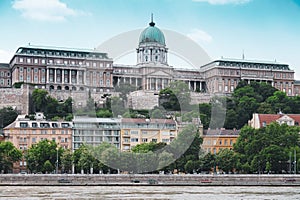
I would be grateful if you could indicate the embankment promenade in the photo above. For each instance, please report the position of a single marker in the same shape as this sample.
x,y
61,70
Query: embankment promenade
x,y
147,180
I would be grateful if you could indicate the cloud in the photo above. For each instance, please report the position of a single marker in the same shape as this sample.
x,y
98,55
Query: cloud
x,y
223,2
5,56
44,10
200,36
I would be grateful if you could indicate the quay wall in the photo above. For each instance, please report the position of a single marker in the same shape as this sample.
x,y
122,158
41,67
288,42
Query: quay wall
x,y
149,179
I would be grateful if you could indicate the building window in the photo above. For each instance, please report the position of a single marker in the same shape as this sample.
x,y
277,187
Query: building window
x,y
21,60
264,124
134,132
23,124
144,139
134,140
36,61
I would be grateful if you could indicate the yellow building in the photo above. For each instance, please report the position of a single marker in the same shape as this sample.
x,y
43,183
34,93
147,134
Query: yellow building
x,y
138,131
23,133
216,139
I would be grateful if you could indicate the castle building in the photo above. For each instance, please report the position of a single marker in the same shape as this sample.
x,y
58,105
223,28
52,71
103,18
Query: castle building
x,y
5,75
223,75
76,72
62,69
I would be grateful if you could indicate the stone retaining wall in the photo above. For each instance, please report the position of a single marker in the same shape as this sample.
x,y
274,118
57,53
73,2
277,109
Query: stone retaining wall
x,y
137,179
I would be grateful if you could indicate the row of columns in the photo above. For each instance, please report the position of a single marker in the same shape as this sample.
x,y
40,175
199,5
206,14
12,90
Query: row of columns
x,y
193,85
145,83
77,80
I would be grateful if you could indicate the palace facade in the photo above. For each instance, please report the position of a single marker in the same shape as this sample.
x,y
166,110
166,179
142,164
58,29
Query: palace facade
x,y
75,72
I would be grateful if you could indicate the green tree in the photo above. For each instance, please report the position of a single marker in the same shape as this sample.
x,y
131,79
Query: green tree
x,y
117,106
206,162
256,147
185,147
67,161
147,147
104,113
7,116
226,160
175,97
39,98
48,167
8,155
124,90
189,167
157,114
39,153
205,114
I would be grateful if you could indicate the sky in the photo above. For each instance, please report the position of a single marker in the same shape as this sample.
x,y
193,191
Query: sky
x,y
265,30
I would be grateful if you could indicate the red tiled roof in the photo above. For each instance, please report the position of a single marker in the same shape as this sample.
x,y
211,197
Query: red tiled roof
x,y
268,118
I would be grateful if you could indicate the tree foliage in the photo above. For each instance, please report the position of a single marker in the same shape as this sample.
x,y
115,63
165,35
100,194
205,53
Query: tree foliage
x,y
266,149
42,152
8,155
176,97
51,107
7,116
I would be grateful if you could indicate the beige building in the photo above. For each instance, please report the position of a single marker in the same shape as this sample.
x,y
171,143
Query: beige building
x,y
262,120
137,131
216,139
24,133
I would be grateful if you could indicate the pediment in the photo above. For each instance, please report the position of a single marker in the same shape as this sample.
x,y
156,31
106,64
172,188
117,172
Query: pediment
x,y
159,73
285,118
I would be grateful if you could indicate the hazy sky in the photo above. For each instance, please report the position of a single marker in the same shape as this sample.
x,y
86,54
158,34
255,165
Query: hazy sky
x,y
264,29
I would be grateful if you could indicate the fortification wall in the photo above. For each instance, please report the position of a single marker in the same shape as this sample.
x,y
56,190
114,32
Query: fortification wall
x,y
17,98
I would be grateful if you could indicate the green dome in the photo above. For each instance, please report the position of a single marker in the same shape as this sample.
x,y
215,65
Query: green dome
x,y
152,34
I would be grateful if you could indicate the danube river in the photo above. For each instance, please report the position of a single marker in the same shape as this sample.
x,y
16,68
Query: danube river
x,y
147,192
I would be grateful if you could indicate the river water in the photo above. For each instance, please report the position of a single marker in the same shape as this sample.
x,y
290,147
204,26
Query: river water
x,y
147,192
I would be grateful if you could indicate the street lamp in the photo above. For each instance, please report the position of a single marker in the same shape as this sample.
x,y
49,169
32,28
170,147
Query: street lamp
x,y
57,159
